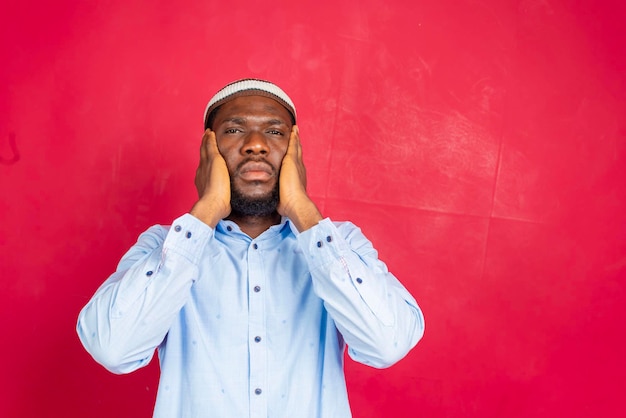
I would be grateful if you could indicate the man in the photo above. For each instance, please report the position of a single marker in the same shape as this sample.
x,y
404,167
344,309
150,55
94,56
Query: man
x,y
251,298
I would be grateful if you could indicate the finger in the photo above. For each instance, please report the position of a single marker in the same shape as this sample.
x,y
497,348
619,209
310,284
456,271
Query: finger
x,y
212,144
297,145
294,141
212,148
203,146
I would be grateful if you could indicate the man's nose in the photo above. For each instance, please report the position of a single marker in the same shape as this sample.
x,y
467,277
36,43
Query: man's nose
x,y
255,143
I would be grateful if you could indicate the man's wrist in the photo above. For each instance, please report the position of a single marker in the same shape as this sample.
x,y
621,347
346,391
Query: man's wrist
x,y
205,211
306,216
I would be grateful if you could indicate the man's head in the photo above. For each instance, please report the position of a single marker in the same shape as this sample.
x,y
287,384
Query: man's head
x,y
252,121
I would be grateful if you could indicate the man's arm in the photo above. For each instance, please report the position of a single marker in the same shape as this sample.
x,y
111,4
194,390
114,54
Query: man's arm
x,y
130,314
132,311
377,317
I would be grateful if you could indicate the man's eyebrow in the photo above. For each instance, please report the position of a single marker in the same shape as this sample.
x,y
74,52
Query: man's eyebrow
x,y
276,122
237,120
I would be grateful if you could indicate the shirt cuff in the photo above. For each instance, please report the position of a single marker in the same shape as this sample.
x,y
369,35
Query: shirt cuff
x,y
188,236
322,244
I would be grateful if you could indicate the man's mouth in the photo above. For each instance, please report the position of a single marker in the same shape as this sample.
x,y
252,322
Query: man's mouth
x,y
255,171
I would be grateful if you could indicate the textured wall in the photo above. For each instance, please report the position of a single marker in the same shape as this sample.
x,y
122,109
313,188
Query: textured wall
x,y
480,145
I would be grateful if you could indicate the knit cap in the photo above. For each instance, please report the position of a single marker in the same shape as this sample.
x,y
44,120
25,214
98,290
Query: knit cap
x,y
248,87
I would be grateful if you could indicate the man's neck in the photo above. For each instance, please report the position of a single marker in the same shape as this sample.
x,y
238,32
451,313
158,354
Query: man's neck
x,y
254,226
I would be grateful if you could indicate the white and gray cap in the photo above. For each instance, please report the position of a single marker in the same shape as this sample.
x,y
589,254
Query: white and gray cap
x,y
248,87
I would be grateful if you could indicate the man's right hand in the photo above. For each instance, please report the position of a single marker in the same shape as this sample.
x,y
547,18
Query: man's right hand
x,y
212,182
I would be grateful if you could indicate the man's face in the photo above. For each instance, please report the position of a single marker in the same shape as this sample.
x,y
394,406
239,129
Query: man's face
x,y
252,135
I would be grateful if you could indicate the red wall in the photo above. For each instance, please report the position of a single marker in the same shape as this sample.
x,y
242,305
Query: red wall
x,y
480,145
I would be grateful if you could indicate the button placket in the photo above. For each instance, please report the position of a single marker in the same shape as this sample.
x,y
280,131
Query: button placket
x,y
257,285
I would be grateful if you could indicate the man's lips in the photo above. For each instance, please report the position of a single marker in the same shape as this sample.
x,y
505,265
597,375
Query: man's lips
x,y
256,171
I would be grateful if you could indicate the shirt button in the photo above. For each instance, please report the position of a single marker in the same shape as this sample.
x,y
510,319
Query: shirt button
x,y
319,244
257,289
149,273
258,391
329,238
177,228
257,339
229,228
255,246
359,280
188,234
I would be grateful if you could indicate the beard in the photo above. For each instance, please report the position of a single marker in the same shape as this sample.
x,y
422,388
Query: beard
x,y
242,205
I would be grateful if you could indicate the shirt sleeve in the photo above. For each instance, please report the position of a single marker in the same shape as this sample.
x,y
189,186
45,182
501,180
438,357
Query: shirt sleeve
x,y
377,317
130,314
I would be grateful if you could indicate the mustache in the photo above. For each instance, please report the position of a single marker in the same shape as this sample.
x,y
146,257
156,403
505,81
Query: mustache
x,y
255,160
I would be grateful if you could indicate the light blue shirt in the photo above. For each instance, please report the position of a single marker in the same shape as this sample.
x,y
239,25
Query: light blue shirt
x,y
250,327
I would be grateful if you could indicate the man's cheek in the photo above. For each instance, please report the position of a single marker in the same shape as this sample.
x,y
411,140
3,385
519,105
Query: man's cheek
x,y
231,165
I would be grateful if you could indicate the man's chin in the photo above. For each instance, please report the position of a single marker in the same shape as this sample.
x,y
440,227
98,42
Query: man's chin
x,y
254,204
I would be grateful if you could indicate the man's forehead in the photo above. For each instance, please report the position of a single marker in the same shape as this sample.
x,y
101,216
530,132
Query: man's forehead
x,y
255,102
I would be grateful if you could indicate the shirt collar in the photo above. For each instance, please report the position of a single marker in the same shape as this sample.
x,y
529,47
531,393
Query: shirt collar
x,y
228,227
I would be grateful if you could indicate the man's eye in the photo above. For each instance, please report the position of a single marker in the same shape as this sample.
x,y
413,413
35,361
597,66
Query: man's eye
x,y
232,130
274,132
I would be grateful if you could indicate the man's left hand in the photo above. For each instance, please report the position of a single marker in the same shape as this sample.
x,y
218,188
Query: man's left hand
x,y
294,202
